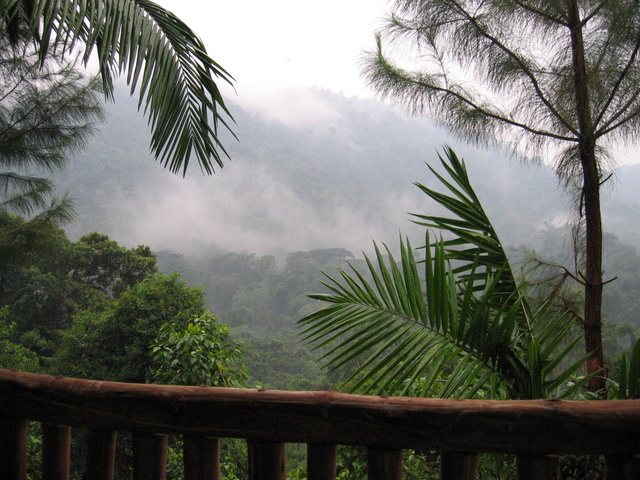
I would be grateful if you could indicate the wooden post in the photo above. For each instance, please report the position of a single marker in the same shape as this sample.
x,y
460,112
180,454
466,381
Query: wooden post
x,y
266,461
458,466
384,464
321,462
56,452
101,455
201,458
13,449
622,467
149,456
537,467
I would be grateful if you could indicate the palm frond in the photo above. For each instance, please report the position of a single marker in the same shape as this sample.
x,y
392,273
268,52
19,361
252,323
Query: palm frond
x,y
443,331
472,239
402,336
163,58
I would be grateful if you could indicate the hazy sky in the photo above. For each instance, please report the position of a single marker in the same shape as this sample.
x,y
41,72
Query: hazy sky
x,y
276,44
269,47
273,45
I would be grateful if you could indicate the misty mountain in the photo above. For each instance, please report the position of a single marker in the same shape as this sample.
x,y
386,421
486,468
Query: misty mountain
x,y
312,169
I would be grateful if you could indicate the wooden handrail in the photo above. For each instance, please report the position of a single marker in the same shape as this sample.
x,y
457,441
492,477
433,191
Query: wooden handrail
x,y
516,426
269,417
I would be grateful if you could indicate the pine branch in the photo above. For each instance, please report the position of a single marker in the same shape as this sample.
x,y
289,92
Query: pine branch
x,y
523,67
616,86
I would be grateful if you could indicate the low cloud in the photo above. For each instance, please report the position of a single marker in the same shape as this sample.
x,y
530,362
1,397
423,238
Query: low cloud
x,y
254,212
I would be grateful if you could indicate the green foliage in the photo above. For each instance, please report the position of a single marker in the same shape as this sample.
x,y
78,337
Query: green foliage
x,y
114,345
261,301
174,465
47,113
352,463
234,459
484,80
60,279
82,351
628,385
14,356
200,353
109,267
254,292
163,58
470,321
34,450
283,364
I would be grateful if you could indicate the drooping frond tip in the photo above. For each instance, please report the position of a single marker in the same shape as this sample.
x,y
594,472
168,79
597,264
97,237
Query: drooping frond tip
x,y
163,58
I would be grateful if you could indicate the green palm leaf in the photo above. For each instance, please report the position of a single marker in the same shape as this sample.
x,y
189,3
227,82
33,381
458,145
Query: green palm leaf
x,y
387,320
447,331
163,58
473,235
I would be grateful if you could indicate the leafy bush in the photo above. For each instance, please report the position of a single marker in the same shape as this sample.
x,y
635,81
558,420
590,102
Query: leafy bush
x,y
200,353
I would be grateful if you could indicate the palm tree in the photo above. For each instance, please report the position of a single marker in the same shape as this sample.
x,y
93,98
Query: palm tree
x,y
457,326
163,59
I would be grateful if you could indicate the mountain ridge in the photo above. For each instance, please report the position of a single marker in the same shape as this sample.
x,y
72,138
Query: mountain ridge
x,y
300,179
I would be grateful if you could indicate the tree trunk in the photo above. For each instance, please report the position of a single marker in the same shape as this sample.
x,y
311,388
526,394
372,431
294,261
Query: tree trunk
x,y
593,273
591,203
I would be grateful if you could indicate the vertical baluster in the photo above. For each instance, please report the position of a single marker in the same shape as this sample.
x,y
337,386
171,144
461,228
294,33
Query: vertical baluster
x,y
201,458
458,466
536,467
622,467
266,461
149,456
101,455
321,462
56,452
13,448
384,464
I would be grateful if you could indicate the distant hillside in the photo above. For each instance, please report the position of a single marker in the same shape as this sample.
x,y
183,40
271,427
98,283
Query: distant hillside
x,y
312,169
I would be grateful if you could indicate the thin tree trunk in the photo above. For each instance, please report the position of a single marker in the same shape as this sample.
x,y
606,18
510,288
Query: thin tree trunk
x,y
591,203
593,273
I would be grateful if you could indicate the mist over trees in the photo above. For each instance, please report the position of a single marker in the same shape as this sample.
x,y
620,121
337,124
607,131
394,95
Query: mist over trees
x,y
336,181
250,244
300,182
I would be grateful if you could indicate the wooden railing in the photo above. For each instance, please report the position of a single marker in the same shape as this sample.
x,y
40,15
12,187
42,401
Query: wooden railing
x,y
536,431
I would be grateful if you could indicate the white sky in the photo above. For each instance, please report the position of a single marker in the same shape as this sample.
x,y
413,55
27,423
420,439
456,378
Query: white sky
x,y
272,45
269,46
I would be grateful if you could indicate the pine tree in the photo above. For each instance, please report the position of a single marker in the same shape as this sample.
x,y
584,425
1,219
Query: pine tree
x,y
558,79
47,111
